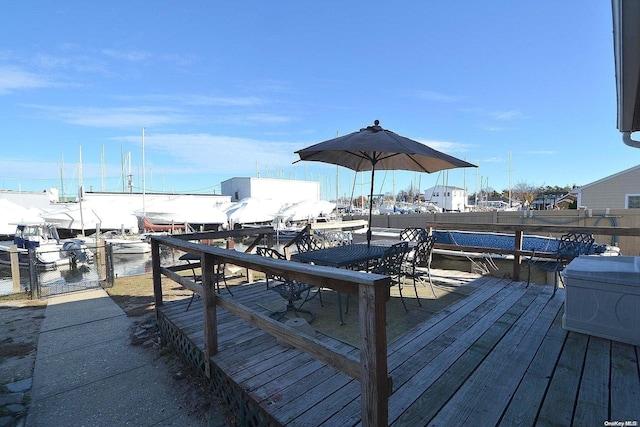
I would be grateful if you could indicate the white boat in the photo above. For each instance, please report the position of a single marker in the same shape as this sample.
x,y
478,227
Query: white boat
x,y
184,210
307,210
124,244
94,215
252,210
50,251
12,213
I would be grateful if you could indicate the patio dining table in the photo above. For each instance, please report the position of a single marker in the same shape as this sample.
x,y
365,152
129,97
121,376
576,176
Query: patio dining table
x,y
343,256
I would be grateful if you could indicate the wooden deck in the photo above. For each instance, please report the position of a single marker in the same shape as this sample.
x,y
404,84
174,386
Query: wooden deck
x,y
497,357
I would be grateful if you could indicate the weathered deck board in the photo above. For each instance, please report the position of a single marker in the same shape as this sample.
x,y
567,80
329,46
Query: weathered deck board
x,y
527,398
497,357
623,375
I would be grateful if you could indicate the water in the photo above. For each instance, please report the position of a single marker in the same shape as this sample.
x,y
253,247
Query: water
x,y
65,278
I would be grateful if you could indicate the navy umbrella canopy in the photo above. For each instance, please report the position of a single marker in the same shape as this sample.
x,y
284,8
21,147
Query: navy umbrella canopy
x,y
374,148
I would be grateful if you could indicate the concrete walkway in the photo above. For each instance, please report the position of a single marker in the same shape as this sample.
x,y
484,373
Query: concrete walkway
x,y
88,374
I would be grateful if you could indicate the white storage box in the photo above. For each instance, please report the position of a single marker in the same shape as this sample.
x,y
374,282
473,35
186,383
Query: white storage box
x,y
603,297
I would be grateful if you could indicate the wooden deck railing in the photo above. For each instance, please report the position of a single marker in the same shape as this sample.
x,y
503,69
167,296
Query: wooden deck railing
x,y
373,291
519,230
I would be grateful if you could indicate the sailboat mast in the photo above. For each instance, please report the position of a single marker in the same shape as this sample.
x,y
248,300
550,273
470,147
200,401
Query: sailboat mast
x,y
144,212
80,191
102,168
510,178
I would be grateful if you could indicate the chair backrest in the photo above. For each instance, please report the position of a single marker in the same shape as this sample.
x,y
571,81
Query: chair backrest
x,y
333,238
308,242
574,244
423,250
391,262
271,253
412,234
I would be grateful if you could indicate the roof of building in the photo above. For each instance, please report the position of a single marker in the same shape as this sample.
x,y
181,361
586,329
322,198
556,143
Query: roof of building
x,y
607,178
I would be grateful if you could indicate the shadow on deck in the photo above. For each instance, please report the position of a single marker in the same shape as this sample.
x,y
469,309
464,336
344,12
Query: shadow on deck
x,y
496,357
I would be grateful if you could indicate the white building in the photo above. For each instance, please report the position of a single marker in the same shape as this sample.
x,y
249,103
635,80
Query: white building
x,y
278,190
448,198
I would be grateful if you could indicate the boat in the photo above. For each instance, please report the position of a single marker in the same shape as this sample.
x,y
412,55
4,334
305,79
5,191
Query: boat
x,y
72,218
199,214
123,244
11,213
252,211
50,250
147,225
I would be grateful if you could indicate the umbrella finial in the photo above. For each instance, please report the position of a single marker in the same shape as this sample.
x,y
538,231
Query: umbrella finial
x,y
375,128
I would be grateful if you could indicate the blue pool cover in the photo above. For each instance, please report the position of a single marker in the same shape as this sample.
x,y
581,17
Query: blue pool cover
x,y
502,241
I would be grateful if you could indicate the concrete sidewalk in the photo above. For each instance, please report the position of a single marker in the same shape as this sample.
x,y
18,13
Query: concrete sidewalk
x,y
88,374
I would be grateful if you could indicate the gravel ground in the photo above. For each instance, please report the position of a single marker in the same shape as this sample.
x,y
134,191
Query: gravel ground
x,y
20,321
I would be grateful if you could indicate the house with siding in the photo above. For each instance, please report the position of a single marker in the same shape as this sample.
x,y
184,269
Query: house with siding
x,y
617,191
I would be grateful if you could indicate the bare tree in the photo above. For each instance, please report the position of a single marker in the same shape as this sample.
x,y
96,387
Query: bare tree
x,y
525,192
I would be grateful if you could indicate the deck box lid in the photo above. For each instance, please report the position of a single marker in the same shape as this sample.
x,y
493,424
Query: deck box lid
x,y
624,270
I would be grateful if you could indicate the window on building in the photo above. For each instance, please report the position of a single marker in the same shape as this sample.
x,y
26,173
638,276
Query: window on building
x,y
633,201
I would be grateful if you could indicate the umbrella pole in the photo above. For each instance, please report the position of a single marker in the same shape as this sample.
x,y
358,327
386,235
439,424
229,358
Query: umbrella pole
x,y
373,169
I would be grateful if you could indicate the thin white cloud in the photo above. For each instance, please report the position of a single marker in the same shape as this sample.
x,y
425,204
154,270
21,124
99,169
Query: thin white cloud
x,y
125,117
228,101
447,147
194,100
542,152
13,79
128,55
206,153
435,96
494,128
499,115
505,115
493,160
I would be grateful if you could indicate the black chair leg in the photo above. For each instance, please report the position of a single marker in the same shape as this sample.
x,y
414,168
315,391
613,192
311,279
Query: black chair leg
x,y
340,307
415,288
296,310
190,301
402,299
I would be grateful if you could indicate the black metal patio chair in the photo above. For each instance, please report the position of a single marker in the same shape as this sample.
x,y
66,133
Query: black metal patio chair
x,y
309,242
333,238
413,234
219,273
570,246
291,291
418,265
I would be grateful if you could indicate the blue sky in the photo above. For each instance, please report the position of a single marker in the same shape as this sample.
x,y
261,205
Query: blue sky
x,y
228,89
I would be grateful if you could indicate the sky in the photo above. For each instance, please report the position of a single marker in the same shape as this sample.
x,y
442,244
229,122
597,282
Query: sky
x,y
524,90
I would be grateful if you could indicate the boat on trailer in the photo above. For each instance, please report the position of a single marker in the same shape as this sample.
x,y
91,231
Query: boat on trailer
x,y
50,251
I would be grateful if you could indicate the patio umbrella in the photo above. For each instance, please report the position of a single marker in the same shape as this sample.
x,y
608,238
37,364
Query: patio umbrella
x,y
373,148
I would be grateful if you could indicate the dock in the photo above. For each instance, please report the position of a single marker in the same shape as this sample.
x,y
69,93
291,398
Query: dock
x,y
498,356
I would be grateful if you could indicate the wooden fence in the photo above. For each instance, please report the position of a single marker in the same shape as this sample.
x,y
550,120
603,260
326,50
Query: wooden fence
x,y
519,231
562,219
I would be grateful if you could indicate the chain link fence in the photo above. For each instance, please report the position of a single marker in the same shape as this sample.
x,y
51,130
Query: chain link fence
x,y
67,275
